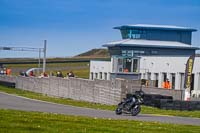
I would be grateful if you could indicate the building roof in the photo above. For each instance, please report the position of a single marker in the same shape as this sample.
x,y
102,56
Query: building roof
x,y
162,27
149,43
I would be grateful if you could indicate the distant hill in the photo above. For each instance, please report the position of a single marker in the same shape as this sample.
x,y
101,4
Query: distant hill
x,y
95,53
83,57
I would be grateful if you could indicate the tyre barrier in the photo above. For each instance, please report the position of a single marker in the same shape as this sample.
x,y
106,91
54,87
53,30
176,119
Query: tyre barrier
x,y
154,99
7,84
167,102
180,105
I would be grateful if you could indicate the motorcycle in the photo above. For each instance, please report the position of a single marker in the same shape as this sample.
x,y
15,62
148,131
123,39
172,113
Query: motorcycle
x,y
131,104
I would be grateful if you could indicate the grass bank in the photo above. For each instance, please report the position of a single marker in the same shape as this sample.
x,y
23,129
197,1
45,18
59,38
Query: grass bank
x,y
145,109
19,121
80,69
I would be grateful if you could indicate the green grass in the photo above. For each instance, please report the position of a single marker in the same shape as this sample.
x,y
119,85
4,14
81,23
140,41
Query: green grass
x,y
145,109
65,68
157,111
82,73
12,121
79,73
55,100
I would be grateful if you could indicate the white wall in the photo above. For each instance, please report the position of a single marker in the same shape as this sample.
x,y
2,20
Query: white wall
x,y
154,66
169,65
97,67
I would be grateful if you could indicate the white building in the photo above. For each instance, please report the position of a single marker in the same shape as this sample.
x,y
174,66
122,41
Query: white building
x,y
151,52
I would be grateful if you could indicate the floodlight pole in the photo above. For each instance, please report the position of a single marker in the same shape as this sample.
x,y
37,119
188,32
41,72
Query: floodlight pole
x,y
32,50
39,57
44,58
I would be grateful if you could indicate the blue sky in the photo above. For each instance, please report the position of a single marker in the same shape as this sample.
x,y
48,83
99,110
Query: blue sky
x,y
75,26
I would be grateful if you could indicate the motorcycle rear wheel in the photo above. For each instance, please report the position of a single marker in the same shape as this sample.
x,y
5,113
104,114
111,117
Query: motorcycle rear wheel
x,y
118,111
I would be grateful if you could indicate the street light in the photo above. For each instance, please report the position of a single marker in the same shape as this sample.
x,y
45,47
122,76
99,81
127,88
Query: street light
x,y
39,50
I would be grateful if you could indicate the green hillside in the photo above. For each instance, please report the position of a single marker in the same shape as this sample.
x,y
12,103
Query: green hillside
x,y
95,53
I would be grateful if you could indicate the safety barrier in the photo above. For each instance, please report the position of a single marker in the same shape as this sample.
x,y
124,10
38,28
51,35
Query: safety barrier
x,y
97,91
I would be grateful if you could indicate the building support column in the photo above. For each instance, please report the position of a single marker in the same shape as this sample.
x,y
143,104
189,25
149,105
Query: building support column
x,y
103,76
177,81
90,75
153,76
169,77
152,80
98,75
160,80
142,75
108,76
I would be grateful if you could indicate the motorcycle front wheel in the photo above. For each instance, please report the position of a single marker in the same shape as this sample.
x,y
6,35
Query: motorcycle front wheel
x,y
135,110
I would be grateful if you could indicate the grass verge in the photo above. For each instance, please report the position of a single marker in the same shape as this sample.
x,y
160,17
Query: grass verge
x,y
21,121
80,69
145,109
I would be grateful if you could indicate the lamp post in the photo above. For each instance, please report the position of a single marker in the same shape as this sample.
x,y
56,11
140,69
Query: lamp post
x,y
44,58
39,50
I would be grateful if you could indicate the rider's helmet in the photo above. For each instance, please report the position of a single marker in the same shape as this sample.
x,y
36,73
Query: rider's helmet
x,y
139,93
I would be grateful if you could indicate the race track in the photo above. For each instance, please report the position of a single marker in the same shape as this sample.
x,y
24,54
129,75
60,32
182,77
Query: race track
x,y
8,101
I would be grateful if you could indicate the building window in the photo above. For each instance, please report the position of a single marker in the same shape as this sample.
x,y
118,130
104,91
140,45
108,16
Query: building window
x,y
124,53
133,33
156,79
120,61
164,77
96,75
120,64
100,75
135,36
154,52
128,53
143,75
126,64
138,52
173,78
124,33
135,65
92,76
136,33
148,76
131,53
105,76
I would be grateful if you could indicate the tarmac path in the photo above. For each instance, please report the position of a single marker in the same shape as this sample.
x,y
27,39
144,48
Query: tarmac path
x,y
9,101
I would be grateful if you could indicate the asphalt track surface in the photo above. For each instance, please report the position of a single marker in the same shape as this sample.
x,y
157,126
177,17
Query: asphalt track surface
x,y
9,101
